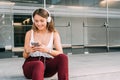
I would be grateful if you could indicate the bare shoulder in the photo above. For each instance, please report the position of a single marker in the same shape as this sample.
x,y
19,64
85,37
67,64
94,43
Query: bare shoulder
x,y
56,33
28,33
27,36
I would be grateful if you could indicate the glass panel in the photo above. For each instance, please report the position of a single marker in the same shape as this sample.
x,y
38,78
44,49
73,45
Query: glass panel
x,y
95,36
95,28
77,31
114,37
113,4
6,28
95,32
114,23
88,18
87,3
62,24
22,23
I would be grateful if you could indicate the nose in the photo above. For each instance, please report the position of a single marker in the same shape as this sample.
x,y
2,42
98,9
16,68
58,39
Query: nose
x,y
39,23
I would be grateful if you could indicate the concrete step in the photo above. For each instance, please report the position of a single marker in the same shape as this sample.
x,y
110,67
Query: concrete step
x,y
6,54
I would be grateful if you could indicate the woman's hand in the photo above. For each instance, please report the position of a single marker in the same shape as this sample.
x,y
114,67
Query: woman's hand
x,y
30,49
41,48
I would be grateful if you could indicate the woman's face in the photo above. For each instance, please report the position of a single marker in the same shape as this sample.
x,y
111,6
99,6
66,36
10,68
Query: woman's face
x,y
40,22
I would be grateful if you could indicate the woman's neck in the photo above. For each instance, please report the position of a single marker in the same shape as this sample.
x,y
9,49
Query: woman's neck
x,y
42,31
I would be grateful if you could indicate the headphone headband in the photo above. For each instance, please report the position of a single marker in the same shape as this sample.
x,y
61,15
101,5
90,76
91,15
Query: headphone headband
x,y
48,18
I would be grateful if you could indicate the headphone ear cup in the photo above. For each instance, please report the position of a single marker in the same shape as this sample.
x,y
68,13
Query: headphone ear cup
x,y
32,19
49,19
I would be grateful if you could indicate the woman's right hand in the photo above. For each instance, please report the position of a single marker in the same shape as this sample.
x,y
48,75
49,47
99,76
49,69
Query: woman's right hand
x,y
30,49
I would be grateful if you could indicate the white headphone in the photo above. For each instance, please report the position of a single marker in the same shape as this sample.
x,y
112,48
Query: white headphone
x,y
49,17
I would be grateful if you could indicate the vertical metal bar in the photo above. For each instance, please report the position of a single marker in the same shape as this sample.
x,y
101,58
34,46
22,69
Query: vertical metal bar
x,y
44,3
107,22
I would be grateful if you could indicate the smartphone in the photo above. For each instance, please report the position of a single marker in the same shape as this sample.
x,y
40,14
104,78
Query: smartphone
x,y
35,44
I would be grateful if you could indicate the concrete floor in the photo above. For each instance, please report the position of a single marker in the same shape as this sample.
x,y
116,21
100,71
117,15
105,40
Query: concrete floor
x,y
93,66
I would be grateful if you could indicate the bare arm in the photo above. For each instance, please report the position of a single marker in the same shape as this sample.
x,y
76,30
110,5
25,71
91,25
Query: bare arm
x,y
57,45
26,45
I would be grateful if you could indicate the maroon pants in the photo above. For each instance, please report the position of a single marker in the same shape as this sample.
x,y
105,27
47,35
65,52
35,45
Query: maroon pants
x,y
39,67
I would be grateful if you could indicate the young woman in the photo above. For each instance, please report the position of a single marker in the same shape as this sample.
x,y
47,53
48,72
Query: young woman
x,y
41,60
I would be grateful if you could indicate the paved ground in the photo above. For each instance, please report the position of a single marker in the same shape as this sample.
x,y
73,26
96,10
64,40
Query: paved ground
x,y
99,66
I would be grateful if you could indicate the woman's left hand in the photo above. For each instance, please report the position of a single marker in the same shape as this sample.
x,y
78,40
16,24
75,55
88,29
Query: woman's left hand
x,y
42,48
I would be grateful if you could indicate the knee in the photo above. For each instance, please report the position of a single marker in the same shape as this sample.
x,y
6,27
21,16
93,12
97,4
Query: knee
x,y
63,57
38,65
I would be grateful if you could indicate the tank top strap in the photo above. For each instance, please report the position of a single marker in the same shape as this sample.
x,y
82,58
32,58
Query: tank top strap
x,y
50,45
32,37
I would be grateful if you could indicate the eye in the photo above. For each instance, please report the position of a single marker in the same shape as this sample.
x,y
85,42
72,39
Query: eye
x,y
36,21
42,20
